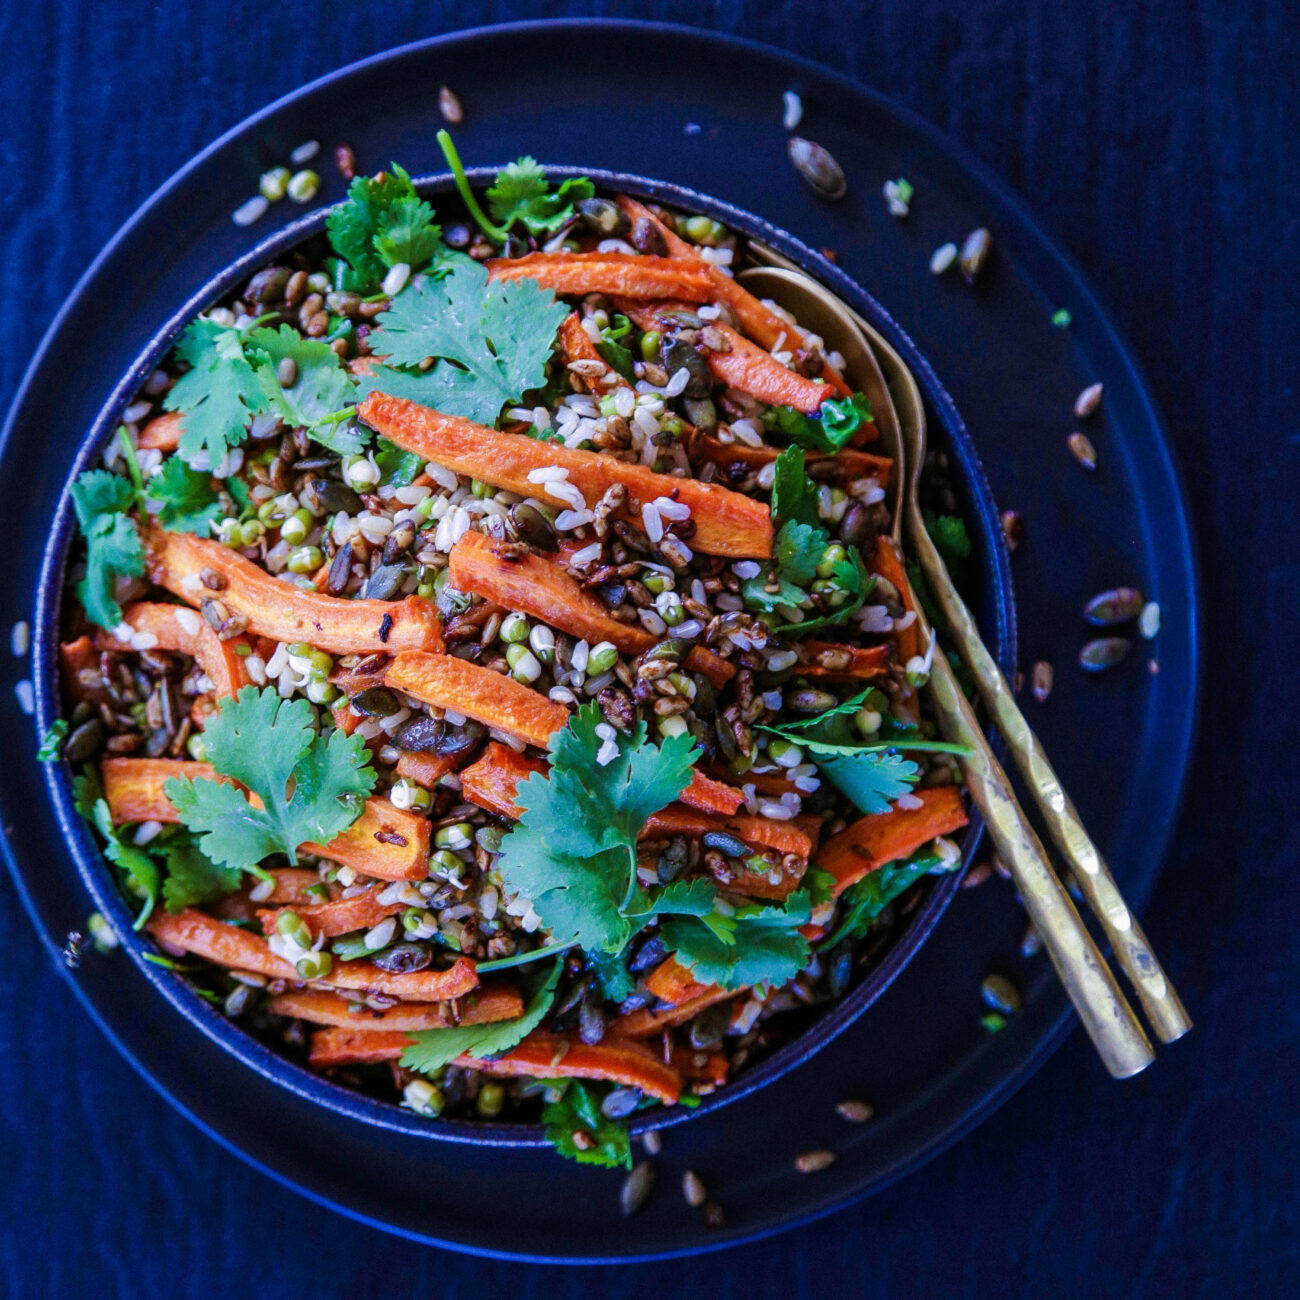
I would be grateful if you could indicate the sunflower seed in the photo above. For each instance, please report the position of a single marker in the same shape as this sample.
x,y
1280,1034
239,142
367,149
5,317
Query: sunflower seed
x,y
856,1112
1117,605
975,252
1082,450
693,1189
818,169
1013,528
1042,679
450,107
1088,401
1105,652
811,1162
942,258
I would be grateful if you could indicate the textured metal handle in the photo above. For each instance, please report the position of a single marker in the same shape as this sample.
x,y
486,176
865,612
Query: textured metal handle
x,y
1159,1000
1108,1018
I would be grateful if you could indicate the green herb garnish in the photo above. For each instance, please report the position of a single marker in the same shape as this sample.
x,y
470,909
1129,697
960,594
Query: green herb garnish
x,y
832,428
113,546
578,1110
52,743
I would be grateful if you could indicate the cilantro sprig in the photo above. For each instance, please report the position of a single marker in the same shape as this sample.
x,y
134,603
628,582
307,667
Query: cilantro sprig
x,y
187,502
311,787
832,428
136,868
114,550
578,1110
492,341
863,902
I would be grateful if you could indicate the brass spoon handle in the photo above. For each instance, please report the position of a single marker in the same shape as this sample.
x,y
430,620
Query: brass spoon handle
x,y
1159,1000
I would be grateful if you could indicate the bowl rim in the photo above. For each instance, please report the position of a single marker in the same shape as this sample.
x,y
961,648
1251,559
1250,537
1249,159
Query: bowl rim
x,y
997,596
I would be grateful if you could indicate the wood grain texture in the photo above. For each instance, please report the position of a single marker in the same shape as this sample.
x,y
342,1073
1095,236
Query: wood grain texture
x,y
1159,144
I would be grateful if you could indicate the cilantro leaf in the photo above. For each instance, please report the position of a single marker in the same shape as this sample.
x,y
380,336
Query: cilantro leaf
x,y
573,850
51,749
863,903
948,532
872,781
136,869
493,341
311,787
191,877
322,387
578,1109
694,897
520,193
189,502
397,468
219,395
794,495
833,427
828,734
616,982
434,1048
113,545
763,946
383,222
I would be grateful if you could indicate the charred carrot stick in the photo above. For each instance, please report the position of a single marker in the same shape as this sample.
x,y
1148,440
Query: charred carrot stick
x,y
872,841
576,345
162,433
290,883
425,769
886,562
339,916
79,668
645,1022
671,982
501,702
746,366
677,247
181,629
702,1067
631,275
553,1056
340,1046
844,663
233,947
481,1007
539,586
283,612
492,780
856,464
384,841
726,523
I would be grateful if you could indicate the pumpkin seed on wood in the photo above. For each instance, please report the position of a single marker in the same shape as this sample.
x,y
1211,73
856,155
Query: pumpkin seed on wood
x,y
1042,679
817,168
1105,652
975,252
1117,605
1082,450
1088,401
1000,994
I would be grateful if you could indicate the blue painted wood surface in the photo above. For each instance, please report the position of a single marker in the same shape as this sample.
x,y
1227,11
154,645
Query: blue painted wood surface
x,y
1160,145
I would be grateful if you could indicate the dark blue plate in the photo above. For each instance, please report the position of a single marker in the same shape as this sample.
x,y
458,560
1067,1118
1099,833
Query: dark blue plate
x,y
684,106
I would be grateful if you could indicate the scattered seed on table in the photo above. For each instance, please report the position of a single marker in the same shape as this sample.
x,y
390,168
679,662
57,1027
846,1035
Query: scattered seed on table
x,y
652,1141
1082,450
1013,528
251,211
305,152
1105,652
1148,621
1088,401
26,696
450,107
1153,666
1117,605
811,1162
693,1189
1032,943
975,252
637,1187
942,258
712,1215
1042,679
1000,994
274,183
304,186
1062,320
977,875
74,949
793,110
898,196
818,169
20,638
345,160
855,1111
993,1022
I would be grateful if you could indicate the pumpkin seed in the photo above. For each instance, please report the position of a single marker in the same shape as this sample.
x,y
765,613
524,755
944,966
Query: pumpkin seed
x,y
385,583
604,217
693,1189
1117,605
376,702
676,354
1088,401
648,238
531,526
726,843
86,741
1082,450
637,1187
1001,995
404,958
1105,652
818,169
975,252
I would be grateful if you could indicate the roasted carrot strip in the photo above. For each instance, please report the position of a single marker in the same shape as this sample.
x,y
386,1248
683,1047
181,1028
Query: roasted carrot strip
x,y
162,433
339,1046
546,590
746,366
726,523
491,781
576,344
632,275
856,464
703,1067
285,613
872,841
644,1023
339,916
887,563
384,841
553,1056
179,628
425,769
482,1006
230,946
842,663
79,668
672,983
677,246
289,884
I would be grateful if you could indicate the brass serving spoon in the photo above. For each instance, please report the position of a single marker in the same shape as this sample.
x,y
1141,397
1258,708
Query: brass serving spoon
x,y
1102,1007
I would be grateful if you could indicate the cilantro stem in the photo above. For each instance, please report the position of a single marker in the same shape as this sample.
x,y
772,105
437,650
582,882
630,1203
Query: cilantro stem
x,y
494,233
336,417
132,465
522,958
261,320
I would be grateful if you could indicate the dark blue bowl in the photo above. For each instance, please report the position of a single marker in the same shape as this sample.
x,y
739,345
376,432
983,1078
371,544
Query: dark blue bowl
x,y
994,604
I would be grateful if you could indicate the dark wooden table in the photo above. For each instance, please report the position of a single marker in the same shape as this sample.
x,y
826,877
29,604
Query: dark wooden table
x,y
1160,145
